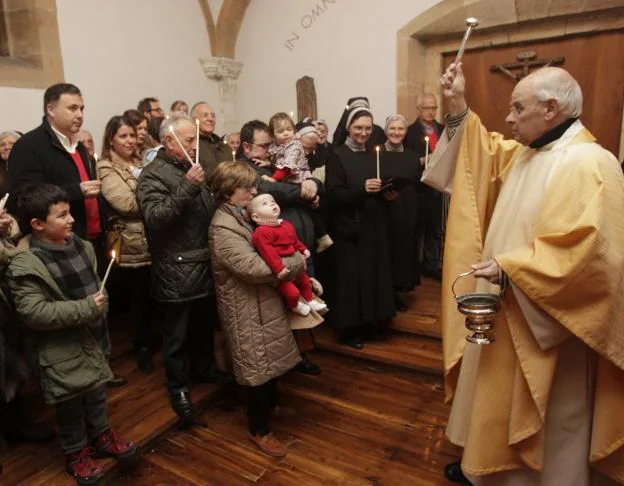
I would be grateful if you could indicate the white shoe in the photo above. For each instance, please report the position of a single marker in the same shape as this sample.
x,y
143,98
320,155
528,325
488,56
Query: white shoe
x,y
317,306
302,309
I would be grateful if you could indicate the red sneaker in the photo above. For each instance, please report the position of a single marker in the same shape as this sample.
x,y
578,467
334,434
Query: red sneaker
x,y
109,445
80,465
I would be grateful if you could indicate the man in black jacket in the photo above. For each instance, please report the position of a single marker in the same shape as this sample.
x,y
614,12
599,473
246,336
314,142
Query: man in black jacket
x,y
292,199
52,153
430,201
177,208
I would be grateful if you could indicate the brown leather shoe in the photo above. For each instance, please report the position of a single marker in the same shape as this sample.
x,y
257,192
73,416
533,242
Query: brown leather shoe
x,y
269,445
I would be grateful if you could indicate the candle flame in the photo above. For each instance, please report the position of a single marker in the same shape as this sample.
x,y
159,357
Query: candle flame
x,y
426,139
197,121
113,254
171,128
377,148
346,107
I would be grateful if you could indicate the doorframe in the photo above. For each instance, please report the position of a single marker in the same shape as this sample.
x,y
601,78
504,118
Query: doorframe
x,y
423,41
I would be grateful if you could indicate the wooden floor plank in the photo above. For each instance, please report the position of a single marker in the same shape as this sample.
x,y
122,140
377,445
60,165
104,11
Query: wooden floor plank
x,y
419,353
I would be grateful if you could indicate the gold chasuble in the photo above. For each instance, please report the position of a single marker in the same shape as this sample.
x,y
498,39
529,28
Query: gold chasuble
x,y
543,402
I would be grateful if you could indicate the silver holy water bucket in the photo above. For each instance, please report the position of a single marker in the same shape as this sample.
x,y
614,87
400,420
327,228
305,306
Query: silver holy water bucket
x,y
480,311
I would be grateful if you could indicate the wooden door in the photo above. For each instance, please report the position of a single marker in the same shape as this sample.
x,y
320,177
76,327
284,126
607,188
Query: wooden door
x,y
596,61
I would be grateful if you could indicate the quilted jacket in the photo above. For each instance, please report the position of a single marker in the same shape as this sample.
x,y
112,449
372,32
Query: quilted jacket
x,y
252,311
176,214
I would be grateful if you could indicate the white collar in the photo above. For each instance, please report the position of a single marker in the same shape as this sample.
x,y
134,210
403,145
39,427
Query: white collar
x,y
66,142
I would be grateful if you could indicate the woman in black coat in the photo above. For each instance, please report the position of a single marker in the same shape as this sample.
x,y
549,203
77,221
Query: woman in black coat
x,y
362,287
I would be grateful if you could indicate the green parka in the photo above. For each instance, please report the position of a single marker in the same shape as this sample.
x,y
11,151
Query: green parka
x,y
69,355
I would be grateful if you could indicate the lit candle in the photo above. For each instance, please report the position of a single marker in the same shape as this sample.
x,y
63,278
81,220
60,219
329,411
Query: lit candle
x,y
292,115
233,155
197,137
110,265
188,157
426,151
3,201
377,150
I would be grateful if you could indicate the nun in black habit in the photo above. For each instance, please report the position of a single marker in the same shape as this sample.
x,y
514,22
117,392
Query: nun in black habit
x,y
362,300
378,137
402,167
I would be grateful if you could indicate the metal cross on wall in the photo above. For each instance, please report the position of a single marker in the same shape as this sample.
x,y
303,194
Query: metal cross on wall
x,y
526,61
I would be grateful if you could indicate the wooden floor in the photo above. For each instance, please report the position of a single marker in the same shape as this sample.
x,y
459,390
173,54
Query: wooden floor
x,y
374,417
357,424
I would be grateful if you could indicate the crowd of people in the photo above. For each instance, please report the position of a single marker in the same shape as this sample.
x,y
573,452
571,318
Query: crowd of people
x,y
242,233
260,233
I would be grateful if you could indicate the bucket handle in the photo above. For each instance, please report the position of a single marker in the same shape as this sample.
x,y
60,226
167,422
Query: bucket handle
x,y
461,275
503,287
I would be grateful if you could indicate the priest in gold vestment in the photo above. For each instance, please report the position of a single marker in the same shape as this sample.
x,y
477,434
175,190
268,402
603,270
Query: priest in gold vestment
x,y
542,405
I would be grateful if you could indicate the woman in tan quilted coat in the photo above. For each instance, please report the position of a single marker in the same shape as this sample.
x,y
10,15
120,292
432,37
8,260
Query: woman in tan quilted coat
x,y
119,169
252,311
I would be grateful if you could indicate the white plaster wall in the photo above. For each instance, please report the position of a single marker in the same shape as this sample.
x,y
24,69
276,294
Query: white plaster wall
x,y
347,46
119,51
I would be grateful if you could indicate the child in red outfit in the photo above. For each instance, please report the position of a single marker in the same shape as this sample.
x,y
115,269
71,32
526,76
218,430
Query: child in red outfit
x,y
275,238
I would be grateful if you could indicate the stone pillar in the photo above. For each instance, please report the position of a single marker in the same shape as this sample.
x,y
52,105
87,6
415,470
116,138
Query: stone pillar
x,y
226,72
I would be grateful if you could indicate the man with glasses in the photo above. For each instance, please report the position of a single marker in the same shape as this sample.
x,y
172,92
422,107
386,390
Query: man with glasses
x,y
211,148
150,107
431,201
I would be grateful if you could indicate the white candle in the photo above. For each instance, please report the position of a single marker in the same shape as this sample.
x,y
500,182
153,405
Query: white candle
x,y
188,157
110,265
3,201
197,137
233,155
377,150
292,115
426,151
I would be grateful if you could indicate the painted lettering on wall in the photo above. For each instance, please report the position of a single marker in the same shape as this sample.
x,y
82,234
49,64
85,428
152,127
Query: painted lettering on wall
x,y
307,21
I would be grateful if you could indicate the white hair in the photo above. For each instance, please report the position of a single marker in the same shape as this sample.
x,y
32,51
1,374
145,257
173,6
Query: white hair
x,y
393,118
9,133
173,121
552,83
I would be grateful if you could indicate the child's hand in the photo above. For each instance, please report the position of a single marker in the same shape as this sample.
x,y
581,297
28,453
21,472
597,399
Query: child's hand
x,y
99,300
283,274
267,178
306,253
261,163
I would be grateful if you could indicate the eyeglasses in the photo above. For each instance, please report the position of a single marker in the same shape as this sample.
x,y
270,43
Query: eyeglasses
x,y
157,110
263,145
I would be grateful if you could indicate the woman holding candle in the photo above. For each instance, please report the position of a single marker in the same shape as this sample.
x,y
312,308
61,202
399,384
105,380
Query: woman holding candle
x,y
401,162
119,170
362,299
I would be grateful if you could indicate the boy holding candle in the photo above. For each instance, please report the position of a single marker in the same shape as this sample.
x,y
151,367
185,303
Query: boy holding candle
x,y
55,288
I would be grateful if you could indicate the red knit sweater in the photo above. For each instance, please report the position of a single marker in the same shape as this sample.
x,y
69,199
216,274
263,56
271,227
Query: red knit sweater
x,y
275,242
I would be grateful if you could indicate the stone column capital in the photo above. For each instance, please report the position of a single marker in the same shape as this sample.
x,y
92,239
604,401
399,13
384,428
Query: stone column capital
x,y
221,68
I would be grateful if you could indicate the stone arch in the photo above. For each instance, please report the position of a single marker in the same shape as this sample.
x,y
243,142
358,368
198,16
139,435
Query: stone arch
x,y
224,34
422,42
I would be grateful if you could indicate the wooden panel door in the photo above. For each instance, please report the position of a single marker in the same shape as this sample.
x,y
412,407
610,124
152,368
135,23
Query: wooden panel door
x,y
596,61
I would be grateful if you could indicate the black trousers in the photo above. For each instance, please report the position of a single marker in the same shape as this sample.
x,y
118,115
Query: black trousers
x,y
138,284
430,234
81,418
261,400
188,340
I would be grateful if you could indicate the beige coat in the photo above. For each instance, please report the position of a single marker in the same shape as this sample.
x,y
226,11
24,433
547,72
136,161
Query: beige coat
x,y
124,226
252,311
